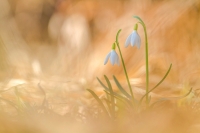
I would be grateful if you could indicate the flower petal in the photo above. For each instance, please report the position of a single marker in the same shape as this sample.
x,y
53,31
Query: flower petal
x,y
138,42
128,41
113,57
107,57
117,60
133,38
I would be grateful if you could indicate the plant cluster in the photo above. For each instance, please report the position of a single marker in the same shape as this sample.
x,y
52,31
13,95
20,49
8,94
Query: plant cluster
x,y
119,102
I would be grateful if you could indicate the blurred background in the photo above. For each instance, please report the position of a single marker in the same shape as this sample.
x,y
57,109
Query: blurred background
x,y
61,44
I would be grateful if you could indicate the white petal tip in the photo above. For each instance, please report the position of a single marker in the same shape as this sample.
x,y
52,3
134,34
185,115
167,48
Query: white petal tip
x,y
106,59
132,45
126,45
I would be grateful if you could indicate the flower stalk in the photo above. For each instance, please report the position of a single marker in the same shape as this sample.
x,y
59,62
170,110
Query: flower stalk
x,y
123,64
146,59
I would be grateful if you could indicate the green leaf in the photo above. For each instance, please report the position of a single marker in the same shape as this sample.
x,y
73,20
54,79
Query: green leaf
x,y
171,98
116,96
102,84
158,101
122,99
183,95
99,101
157,84
108,104
163,77
106,88
112,95
121,88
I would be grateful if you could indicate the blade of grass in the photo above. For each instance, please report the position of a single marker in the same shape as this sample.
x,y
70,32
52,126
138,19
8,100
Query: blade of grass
x,y
109,106
99,101
122,99
108,102
116,96
125,104
157,84
158,101
106,88
108,97
171,98
112,96
102,84
121,88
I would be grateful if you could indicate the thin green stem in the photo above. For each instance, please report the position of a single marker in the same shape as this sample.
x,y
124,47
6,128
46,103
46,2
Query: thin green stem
x,y
123,64
147,59
147,65
157,84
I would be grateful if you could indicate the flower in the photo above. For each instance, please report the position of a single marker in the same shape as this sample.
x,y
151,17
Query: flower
x,y
133,38
114,58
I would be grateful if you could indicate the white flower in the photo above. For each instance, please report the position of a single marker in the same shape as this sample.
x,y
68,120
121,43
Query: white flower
x,y
114,59
133,39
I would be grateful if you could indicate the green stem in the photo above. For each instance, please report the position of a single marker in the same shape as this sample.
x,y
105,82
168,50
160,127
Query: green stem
x,y
147,64
147,61
123,64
